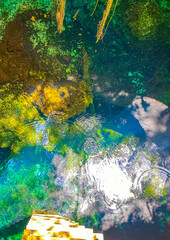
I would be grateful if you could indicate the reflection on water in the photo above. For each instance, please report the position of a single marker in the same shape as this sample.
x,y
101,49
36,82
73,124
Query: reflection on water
x,y
113,176
84,128
87,172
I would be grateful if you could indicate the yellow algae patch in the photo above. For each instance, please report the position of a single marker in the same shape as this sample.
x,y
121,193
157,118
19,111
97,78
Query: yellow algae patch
x,y
62,102
50,99
17,120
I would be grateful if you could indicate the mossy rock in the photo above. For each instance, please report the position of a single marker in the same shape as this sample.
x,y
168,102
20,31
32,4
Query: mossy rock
x,y
63,101
143,18
33,86
19,61
154,188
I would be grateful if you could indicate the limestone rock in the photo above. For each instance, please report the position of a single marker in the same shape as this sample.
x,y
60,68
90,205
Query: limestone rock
x,y
47,224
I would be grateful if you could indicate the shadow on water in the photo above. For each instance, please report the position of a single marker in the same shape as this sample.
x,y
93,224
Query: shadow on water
x,y
4,154
14,229
120,119
138,231
155,117
145,105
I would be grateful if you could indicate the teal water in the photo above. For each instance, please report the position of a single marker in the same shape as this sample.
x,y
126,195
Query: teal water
x,y
85,126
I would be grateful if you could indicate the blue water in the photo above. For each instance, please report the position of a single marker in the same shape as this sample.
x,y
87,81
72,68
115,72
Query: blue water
x,y
95,167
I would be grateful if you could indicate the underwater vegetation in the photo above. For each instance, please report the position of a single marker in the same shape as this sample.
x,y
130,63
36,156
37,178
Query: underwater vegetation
x,y
143,17
147,19
137,81
85,136
56,81
24,188
61,102
18,121
10,8
32,90
154,189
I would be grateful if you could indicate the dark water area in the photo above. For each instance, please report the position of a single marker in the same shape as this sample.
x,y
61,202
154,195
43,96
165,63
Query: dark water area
x,y
84,115
120,119
17,228
137,231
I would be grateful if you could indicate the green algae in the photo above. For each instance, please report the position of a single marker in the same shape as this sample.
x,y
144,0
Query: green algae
x,y
24,191
93,220
137,80
43,43
144,18
112,135
10,8
17,121
154,188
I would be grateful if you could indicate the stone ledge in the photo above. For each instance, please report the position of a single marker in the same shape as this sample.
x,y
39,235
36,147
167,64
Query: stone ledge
x,y
48,224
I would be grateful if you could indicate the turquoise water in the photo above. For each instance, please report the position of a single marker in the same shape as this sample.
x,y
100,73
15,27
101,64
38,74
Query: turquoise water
x,y
84,126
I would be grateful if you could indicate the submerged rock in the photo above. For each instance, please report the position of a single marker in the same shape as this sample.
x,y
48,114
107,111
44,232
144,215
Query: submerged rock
x,y
143,17
63,102
119,183
153,116
34,86
55,225
116,183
